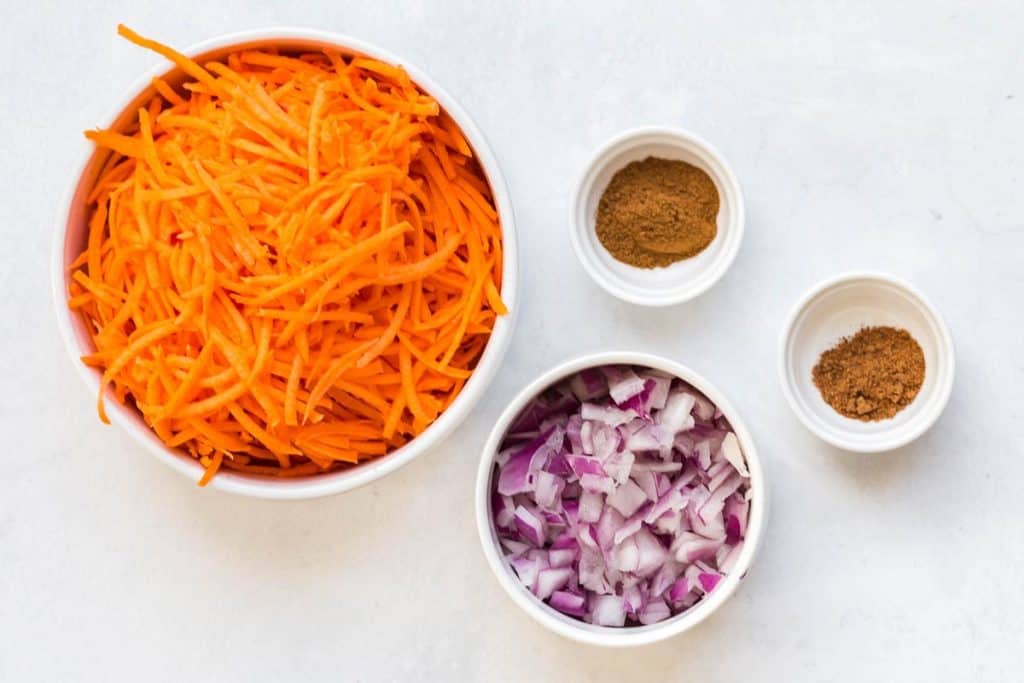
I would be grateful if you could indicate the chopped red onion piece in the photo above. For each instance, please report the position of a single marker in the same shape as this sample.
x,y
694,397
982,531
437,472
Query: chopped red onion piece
x,y
582,464
735,518
548,490
631,525
703,408
627,498
591,505
646,481
623,383
671,523
731,450
514,548
690,547
676,415
591,572
656,466
607,415
659,388
702,451
504,511
597,483
673,500
665,577
563,557
605,441
610,522
551,579
633,598
678,590
652,553
589,384
531,526
607,610
654,611
527,569
569,603
708,580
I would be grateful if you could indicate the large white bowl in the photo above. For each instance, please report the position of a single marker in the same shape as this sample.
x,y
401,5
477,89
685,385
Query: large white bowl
x,y
605,635
71,237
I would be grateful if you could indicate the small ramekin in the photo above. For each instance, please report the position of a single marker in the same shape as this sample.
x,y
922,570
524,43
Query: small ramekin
x,y
839,307
684,279
575,629
71,236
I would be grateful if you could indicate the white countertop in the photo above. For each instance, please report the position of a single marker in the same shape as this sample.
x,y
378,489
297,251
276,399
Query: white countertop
x,y
864,137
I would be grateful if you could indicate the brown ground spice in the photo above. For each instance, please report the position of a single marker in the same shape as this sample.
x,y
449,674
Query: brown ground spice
x,y
872,375
656,212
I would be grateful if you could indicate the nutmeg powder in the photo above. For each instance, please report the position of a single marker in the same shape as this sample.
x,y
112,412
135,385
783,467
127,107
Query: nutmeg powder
x,y
656,212
872,375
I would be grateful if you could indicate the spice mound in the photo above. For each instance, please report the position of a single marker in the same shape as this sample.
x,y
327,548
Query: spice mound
x,y
656,212
872,375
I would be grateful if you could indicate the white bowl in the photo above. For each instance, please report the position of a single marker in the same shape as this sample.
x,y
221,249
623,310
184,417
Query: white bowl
x,y
71,235
605,635
839,307
684,279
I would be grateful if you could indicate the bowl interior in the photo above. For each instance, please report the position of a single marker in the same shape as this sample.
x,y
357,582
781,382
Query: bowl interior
x,y
841,309
580,630
74,235
681,280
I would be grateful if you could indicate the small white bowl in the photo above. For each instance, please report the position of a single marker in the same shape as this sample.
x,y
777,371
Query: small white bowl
x,y
838,308
684,279
575,629
71,236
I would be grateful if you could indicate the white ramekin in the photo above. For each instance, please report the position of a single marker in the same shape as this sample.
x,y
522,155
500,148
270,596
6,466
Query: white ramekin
x,y
684,279
604,635
70,239
837,308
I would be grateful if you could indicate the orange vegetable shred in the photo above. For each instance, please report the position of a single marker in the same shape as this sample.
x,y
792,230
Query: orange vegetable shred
x,y
293,261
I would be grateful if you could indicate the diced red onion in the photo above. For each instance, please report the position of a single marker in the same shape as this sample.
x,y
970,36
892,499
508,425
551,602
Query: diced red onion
x,y
623,383
527,569
608,610
654,611
621,496
731,450
569,603
589,384
531,525
548,490
627,498
551,579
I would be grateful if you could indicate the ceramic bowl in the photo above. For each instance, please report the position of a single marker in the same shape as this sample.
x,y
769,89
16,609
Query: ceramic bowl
x,y
71,236
684,279
838,308
603,635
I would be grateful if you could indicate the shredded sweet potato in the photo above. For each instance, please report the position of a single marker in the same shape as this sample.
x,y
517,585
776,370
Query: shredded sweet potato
x,y
293,262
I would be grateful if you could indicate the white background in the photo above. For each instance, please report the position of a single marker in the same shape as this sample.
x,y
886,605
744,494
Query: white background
x,y
885,136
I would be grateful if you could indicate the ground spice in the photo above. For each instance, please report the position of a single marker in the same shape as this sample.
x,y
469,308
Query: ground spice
x,y
656,212
872,375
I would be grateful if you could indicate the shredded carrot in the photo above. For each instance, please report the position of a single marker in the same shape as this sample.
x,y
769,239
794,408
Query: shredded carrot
x,y
293,262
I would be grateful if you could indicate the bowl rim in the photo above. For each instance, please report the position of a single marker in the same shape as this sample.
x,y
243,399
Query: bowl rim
x,y
490,361
897,435
603,635
701,147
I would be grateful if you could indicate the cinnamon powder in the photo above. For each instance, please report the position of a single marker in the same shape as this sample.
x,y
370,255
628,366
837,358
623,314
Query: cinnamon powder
x,y
872,375
656,212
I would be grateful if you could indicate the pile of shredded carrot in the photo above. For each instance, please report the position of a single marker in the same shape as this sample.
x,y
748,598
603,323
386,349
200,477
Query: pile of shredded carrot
x,y
293,262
